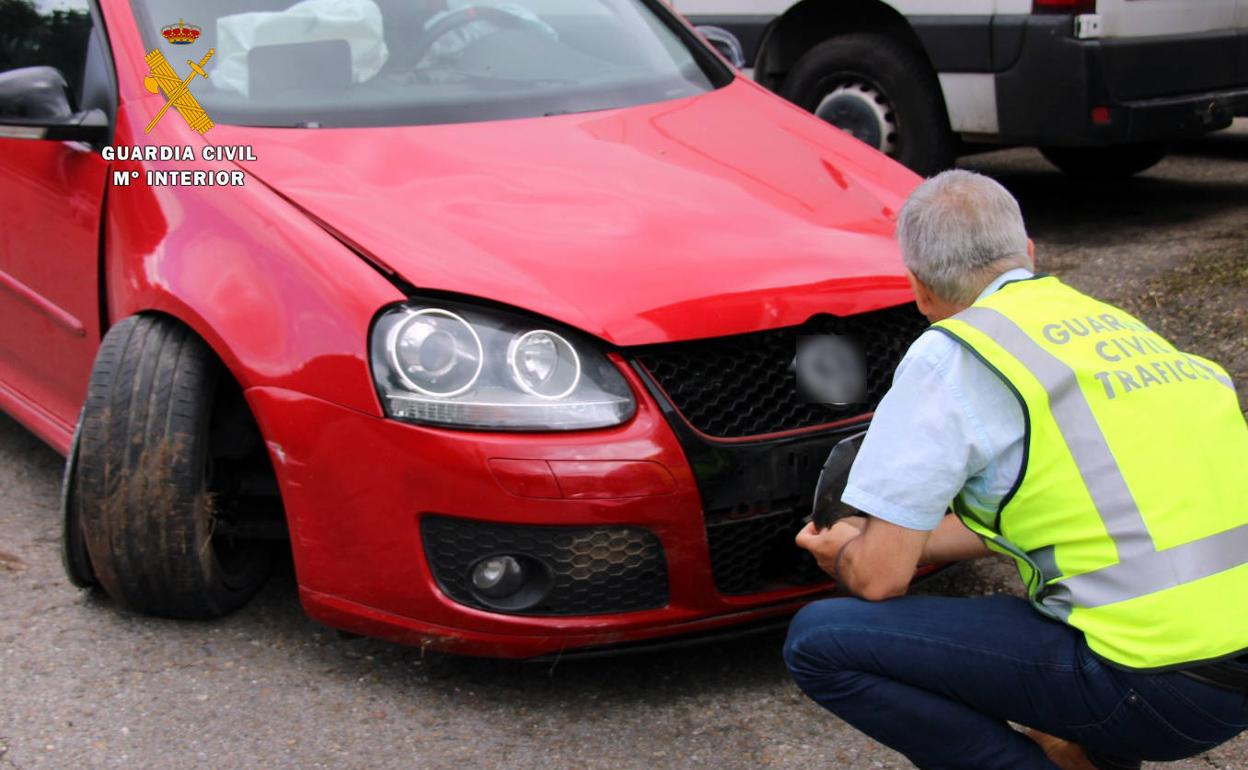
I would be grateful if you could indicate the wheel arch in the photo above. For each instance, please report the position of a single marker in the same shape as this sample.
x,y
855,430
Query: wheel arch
x,y
232,367
277,299
229,372
810,22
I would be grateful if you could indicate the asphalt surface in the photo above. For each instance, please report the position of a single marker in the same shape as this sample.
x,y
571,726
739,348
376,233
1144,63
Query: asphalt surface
x,y
83,685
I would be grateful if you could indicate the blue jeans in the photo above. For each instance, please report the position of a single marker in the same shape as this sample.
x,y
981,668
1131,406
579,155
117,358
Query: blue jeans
x,y
936,679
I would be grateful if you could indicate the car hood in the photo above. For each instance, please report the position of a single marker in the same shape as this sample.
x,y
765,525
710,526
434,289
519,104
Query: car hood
x,y
719,214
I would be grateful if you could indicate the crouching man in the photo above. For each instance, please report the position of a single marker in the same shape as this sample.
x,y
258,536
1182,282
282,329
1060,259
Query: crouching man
x,y
1112,467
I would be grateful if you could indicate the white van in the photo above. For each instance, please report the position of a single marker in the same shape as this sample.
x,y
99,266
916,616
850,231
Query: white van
x,y
1101,86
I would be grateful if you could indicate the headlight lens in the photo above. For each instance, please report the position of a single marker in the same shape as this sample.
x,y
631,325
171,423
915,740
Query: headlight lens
x,y
544,364
435,352
455,365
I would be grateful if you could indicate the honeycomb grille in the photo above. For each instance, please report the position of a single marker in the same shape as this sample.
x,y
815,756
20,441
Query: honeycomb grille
x,y
734,387
593,570
753,550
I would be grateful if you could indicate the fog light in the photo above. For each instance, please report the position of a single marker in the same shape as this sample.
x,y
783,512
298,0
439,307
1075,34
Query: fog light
x,y
498,577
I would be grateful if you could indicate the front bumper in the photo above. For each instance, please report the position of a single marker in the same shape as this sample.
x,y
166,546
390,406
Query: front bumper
x,y
357,489
1154,89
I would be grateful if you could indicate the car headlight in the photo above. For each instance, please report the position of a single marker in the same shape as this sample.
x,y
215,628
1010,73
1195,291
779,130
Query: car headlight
x,y
449,364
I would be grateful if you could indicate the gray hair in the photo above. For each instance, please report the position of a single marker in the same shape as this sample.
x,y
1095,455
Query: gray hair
x,y
958,231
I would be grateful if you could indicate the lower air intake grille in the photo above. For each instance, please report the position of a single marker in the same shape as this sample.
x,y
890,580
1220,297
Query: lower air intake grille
x,y
593,570
753,551
734,387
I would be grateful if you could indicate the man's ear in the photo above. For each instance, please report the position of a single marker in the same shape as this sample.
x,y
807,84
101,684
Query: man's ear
x,y
1031,254
922,295
931,304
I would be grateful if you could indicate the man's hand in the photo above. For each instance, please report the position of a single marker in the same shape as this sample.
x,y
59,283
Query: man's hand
x,y
826,546
876,559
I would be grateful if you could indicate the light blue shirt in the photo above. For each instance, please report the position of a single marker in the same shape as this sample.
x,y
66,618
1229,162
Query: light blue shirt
x,y
947,424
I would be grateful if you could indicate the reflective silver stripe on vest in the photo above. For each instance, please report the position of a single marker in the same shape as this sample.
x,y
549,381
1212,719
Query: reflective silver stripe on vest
x,y
1045,560
1213,373
1088,447
1152,572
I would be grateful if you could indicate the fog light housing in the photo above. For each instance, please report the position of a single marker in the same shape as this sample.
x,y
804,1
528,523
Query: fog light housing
x,y
498,576
509,582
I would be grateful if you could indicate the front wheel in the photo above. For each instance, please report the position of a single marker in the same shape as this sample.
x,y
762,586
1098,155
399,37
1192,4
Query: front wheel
x,y
882,92
142,482
1105,162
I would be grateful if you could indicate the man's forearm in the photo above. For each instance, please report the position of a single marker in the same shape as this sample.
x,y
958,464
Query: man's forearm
x,y
856,575
952,541
875,559
879,563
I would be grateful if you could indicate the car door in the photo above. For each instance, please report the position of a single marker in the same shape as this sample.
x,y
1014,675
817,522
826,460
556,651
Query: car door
x,y
51,204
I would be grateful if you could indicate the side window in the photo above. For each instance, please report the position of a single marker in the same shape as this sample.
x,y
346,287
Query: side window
x,y
51,33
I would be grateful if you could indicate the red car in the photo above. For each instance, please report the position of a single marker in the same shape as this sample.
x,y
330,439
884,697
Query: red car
x,y
488,309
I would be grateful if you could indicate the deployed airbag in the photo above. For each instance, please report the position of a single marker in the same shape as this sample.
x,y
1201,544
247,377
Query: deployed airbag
x,y
358,22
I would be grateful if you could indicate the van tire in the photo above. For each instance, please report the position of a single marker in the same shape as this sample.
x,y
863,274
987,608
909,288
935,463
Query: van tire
x,y
911,108
142,494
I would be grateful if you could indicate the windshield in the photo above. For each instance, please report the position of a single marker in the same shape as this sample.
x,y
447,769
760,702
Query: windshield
x,y
403,62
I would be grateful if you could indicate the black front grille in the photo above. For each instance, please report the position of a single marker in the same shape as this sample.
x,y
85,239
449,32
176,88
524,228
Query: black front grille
x,y
752,550
732,387
593,570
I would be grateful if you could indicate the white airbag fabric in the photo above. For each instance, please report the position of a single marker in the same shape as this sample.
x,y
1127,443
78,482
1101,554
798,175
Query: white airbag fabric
x,y
356,21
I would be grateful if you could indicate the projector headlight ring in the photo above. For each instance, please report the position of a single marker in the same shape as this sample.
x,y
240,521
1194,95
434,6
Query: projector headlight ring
x,y
458,365
434,347
544,364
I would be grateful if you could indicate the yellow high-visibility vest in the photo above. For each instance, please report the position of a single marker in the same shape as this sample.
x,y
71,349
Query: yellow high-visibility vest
x,y
1129,517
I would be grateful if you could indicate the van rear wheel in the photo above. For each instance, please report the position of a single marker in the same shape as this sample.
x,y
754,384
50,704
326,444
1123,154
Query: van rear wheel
x,y
881,91
143,483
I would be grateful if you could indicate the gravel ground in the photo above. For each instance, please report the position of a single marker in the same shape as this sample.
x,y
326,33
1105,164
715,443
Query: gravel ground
x,y
83,685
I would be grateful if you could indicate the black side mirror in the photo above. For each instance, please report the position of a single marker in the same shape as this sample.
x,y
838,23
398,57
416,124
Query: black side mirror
x,y
35,104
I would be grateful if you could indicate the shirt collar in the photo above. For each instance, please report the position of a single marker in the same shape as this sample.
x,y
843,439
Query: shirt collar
x,y
1013,274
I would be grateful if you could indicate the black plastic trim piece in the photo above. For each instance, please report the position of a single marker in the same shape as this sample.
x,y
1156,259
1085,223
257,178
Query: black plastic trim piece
x,y
663,644
956,43
1175,65
1007,40
770,469
1046,96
